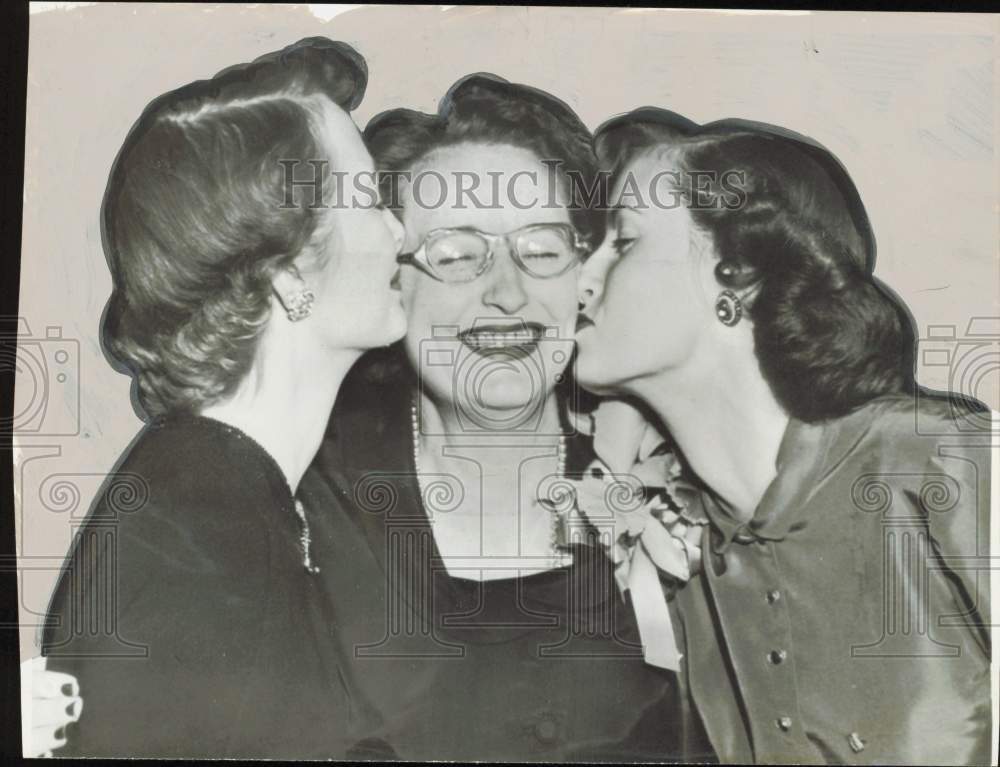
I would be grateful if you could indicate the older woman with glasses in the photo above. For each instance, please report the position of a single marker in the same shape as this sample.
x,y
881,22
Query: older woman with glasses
x,y
479,629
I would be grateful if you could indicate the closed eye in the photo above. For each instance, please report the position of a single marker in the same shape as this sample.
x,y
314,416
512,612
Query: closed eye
x,y
622,244
445,260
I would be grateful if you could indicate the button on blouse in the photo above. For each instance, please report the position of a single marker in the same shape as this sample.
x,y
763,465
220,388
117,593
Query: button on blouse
x,y
813,632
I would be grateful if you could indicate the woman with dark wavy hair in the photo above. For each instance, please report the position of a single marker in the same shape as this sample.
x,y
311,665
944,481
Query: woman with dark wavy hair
x,y
838,616
189,611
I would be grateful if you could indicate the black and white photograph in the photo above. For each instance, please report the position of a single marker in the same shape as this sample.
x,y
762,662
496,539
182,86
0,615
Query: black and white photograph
x,y
507,384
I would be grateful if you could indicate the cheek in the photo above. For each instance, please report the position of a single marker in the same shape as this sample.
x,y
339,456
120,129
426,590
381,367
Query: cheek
x,y
409,291
650,311
634,290
429,304
560,297
339,283
418,324
594,272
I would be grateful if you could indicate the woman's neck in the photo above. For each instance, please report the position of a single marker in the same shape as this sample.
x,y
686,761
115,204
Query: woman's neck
x,y
284,402
496,460
457,424
497,528
729,432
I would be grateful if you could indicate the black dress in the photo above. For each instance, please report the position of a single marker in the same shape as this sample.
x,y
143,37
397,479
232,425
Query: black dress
x,y
187,615
542,668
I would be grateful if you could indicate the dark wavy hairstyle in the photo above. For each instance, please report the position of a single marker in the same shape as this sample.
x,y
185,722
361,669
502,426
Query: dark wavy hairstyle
x,y
484,108
195,220
798,247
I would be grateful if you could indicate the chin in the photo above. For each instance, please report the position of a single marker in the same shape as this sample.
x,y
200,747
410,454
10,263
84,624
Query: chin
x,y
511,400
397,323
592,375
393,327
586,364
502,390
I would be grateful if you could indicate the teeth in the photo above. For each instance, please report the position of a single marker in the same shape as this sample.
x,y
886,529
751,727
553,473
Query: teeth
x,y
500,340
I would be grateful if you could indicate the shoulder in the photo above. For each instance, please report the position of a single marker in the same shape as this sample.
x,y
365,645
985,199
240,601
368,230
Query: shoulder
x,y
192,495
926,453
191,539
916,429
931,453
204,462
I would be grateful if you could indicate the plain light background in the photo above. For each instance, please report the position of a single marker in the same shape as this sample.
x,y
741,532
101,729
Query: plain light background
x,y
906,101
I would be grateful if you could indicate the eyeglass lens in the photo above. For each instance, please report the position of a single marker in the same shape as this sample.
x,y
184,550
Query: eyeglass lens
x,y
461,256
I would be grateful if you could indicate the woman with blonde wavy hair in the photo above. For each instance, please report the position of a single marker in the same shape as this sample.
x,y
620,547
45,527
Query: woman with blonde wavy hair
x,y
191,617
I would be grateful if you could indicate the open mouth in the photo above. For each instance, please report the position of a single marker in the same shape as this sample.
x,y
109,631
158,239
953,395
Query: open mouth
x,y
512,338
583,321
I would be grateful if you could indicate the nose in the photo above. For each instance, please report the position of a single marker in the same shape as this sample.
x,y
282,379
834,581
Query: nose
x,y
590,284
505,289
395,229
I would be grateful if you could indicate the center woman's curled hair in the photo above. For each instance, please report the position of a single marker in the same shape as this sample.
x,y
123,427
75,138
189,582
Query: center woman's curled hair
x,y
485,109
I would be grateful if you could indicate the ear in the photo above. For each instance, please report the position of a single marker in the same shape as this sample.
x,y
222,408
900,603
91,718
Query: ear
x,y
736,275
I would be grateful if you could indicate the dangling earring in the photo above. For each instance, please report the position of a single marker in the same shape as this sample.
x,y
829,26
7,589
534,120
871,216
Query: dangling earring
x,y
299,305
728,308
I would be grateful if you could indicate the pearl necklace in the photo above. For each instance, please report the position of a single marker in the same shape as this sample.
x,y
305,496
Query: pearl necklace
x,y
558,555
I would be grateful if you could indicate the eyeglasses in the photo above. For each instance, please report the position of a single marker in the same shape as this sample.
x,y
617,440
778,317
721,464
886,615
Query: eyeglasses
x,y
462,254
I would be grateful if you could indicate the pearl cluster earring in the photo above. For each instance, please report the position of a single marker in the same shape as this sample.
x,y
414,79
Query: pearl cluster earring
x,y
299,305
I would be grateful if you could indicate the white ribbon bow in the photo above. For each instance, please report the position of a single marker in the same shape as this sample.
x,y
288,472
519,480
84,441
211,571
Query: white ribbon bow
x,y
647,537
